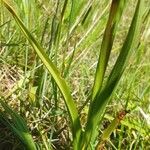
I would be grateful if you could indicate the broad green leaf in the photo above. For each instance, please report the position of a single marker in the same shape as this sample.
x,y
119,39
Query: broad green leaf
x,y
76,127
107,42
101,100
17,125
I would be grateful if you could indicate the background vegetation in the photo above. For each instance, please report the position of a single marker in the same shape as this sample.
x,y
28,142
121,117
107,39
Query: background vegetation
x,y
71,33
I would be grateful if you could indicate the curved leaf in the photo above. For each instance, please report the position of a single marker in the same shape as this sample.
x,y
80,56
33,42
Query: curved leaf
x,y
76,127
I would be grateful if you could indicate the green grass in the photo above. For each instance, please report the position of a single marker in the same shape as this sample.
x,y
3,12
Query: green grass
x,y
68,68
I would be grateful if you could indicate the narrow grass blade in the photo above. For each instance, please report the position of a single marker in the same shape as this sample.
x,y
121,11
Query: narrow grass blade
x,y
106,134
108,131
76,127
98,106
130,44
108,38
17,125
75,9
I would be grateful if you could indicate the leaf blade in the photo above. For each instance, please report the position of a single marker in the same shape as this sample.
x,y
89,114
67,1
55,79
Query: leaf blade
x,y
99,104
76,127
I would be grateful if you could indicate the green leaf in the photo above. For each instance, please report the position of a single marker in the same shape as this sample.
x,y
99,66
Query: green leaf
x,y
17,125
75,10
76,127
101,100
107,42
